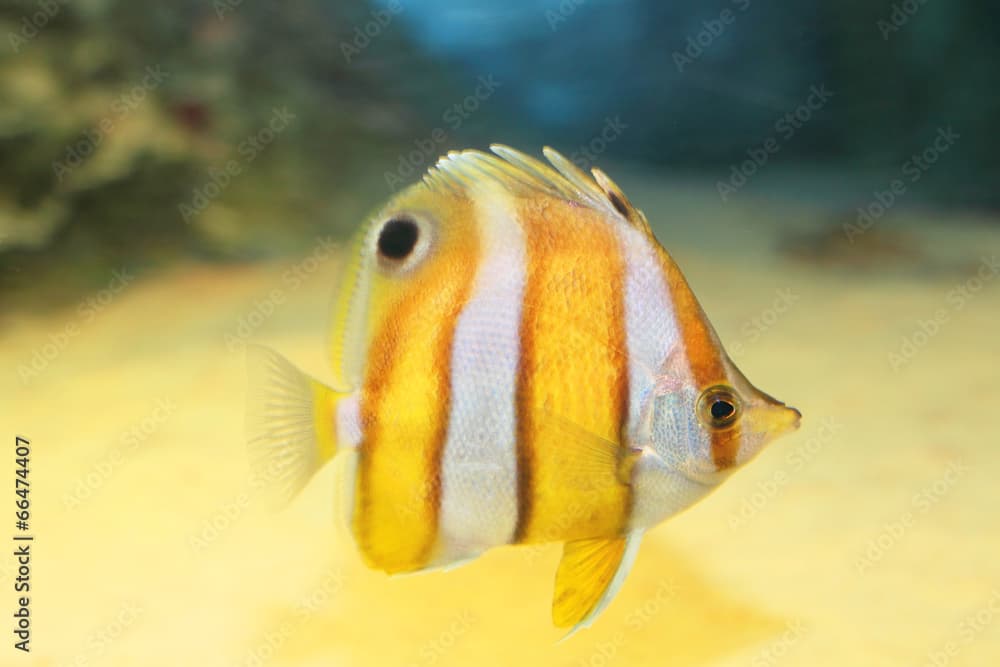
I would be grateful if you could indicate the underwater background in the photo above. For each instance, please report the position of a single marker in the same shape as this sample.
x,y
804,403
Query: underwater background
x,y
176,182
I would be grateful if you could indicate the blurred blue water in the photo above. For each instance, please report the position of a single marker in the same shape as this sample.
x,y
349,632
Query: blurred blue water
x,y
700,83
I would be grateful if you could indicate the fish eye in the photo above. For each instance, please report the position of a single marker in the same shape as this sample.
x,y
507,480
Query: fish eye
x,y
718,407
398,238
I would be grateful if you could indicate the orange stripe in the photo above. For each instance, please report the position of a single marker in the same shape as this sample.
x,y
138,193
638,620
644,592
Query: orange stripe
x,y
704,352
573,376
405,402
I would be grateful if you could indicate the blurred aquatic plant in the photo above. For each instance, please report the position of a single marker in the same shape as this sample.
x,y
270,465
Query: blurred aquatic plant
x,y
133,132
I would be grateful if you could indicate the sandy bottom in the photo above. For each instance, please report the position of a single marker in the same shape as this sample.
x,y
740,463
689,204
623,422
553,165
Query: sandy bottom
x,y
871,537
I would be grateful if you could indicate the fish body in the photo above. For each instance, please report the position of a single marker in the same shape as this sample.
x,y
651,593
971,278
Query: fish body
x,y
516,360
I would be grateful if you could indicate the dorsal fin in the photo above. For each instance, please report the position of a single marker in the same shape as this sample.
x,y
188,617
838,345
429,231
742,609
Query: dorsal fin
x,y
619,201
520,173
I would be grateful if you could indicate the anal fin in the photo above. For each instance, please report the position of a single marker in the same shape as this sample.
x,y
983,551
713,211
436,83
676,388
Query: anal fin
x,y
590,573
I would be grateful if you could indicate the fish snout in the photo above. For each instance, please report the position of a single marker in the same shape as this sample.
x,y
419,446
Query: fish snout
x,y
774,418
794,417
785,419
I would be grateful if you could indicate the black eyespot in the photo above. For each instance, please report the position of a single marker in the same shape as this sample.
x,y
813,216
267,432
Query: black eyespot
x,y
722,408
618,204
718,407
398,238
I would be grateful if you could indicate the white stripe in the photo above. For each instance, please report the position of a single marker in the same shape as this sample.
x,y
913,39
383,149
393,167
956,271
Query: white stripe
x,y
479,463
651,328
348,421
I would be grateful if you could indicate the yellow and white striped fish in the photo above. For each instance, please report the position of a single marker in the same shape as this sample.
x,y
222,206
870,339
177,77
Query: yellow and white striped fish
x,y
516,360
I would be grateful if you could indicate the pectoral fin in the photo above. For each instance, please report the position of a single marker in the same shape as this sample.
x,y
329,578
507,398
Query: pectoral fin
x,y
590,573
588,457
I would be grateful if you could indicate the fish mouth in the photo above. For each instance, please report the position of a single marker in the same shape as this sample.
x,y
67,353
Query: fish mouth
x,y
790,419
776,418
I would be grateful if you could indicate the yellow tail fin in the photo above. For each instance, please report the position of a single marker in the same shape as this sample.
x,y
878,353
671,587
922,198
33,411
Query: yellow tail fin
x,y
291,424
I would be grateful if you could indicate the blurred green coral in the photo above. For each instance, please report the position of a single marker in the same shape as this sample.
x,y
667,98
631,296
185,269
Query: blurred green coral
x,y
118,117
